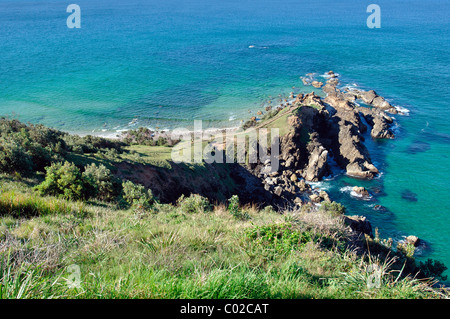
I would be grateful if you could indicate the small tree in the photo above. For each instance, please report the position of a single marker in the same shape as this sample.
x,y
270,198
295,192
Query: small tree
x,y
135,194
13,157
63,180
101,182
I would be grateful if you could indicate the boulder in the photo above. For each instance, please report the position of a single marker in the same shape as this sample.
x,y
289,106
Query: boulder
x,y
317,84
324,196
329,89
381,103
337,101
361,191
413,240
278,191
368,96
380,122
333,82
306,81
302,185
314,198
317,166
362,170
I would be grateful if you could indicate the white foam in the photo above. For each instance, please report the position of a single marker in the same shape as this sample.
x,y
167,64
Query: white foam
x,y
349,189
402,110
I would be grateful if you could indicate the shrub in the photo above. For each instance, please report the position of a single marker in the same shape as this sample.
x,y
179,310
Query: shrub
x,y
235,211
100,181
63,180
135,195
282,238
91,144
433,269
193,204
333,208
26,148
13,157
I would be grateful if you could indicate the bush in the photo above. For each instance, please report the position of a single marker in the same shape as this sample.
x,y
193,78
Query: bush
x,y
145,136
14,158
283,238
135,195
233,208
433,269
101,182
63,180
193,204
91,144
333,208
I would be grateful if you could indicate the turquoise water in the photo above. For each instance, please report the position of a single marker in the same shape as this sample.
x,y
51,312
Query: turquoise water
x,y
167,63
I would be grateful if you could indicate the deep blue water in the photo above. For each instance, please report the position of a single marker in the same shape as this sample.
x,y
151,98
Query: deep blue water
x,y
170,62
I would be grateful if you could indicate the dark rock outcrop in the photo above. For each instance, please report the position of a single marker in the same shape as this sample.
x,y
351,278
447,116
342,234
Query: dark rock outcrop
x,y
359,224
380,122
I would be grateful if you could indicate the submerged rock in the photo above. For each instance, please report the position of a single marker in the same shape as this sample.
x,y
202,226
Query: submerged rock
x,y
418,147
409,195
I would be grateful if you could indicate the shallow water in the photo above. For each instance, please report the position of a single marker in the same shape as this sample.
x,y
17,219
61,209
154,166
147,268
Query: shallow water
x,y
167,63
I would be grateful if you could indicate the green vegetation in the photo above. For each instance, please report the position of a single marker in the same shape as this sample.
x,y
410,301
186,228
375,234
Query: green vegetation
x,y
333,208
136,196
144,136
193,204
62,204
190,250
234,209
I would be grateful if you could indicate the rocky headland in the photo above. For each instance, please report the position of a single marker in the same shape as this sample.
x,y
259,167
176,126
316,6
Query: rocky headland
x,y
326,131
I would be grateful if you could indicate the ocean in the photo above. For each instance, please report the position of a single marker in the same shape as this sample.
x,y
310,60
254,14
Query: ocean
x,y
164,64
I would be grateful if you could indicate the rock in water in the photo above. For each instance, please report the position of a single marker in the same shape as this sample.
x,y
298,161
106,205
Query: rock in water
x,y
361,191
380,122
317,84
413,240
409,196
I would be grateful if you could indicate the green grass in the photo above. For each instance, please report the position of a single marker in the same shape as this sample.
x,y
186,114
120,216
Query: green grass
x,y
28,205
170,252
280,123
159,156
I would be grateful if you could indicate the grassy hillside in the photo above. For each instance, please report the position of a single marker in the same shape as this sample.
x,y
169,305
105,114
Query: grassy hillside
x,y
189,250
73,226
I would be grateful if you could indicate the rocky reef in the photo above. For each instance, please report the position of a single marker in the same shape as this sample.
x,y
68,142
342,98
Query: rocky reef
x,y
324,131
